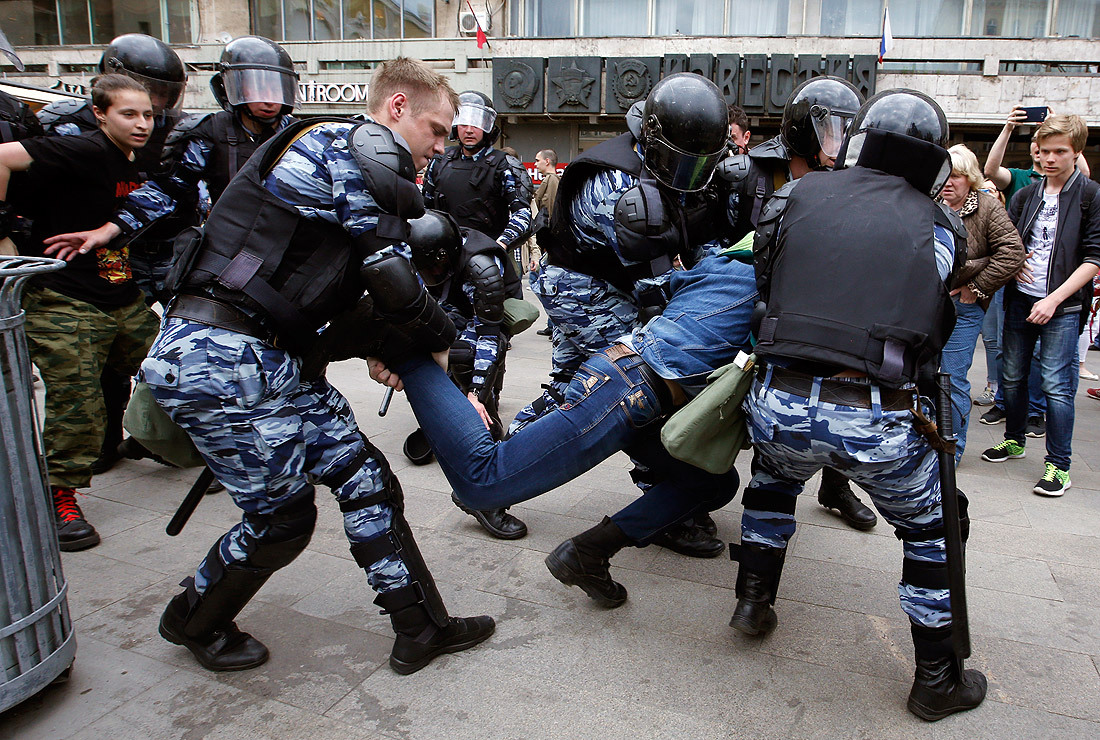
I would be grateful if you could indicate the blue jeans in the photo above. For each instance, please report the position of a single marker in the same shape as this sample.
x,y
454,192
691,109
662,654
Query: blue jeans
x,y
608,407
880,450
992,328
1057,368
957,357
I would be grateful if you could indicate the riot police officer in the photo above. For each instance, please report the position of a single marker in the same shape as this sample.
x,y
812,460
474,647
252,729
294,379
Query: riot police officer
x,y
625,210
815,119
159,69
17,122
470,275
290,245
838,371
482,187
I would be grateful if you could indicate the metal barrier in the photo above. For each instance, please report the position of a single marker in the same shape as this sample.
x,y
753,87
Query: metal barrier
x,y
37,644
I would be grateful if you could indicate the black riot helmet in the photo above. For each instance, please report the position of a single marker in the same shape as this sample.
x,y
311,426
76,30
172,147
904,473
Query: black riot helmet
x,y
436,243
253,69
476,109
151,62
816,117
683,129
904,133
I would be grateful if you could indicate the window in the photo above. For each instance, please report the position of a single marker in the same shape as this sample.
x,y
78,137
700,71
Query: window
x,y
938,18
1078,18
758,18
1012,18
49,23
690,17
328,20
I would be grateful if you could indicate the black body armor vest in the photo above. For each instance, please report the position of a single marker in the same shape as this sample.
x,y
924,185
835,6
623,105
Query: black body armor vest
x,y
259,253
853,278
16,120
466,189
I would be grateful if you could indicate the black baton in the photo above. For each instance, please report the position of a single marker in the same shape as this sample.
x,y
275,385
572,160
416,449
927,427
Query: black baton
x,y
190,502
386,402
952,527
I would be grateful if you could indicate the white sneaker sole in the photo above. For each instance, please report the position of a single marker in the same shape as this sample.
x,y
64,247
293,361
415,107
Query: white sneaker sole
x,y
1051,494
1002,459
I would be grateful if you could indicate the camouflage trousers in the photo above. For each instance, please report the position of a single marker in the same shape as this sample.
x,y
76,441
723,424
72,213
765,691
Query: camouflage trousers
x,y
794,437
71,342
587,315
268,436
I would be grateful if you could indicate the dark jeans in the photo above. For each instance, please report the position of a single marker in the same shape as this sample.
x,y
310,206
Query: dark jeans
x,y
608,407
1057,367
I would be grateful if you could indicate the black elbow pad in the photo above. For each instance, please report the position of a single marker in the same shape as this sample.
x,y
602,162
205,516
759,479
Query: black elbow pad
x,y
484,273
400,299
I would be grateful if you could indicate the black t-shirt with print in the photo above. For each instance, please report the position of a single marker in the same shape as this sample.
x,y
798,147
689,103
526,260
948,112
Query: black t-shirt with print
x,y
76,183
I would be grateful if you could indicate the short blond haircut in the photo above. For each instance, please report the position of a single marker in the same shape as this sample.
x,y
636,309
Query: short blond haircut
x,y
422,85
1064,125
965,163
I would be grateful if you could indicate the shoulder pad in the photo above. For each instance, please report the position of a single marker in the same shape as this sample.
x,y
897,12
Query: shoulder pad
x,y
185,130
477,242
387,169
643,229
948,218
65,111
523,177
769,218
735,168
773,148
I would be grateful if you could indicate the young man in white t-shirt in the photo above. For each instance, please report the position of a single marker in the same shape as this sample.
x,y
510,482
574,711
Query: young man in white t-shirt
x,y
1059,221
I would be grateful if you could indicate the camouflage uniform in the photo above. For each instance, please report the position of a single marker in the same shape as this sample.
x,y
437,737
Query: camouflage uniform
x,y
794,437
265,433
71,342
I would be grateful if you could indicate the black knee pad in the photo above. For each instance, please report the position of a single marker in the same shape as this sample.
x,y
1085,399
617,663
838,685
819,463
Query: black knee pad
x,y
286,533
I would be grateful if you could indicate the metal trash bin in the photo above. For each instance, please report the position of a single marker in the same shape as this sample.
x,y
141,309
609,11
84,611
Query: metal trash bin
x,y
36,634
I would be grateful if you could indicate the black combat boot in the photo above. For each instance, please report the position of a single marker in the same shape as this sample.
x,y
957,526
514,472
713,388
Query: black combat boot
x,y
497,522
706,522
940,685
419,617
690,538
585,561
836,493
424,628
204,623
757,583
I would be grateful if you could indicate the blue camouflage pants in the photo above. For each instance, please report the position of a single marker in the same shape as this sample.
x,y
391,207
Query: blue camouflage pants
x,y
794,437
267,435
587,315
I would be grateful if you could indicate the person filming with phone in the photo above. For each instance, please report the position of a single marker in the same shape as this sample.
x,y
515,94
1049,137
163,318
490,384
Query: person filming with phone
x,y
1011,179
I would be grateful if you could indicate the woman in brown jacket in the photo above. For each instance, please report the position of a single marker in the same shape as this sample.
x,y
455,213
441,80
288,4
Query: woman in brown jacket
x,y
994,254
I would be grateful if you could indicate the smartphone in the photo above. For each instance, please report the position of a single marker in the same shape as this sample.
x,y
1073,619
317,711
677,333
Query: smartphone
x,y
1035,113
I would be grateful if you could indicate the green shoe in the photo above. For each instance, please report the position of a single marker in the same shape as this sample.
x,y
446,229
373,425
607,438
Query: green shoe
x,y
1007,450
1053,483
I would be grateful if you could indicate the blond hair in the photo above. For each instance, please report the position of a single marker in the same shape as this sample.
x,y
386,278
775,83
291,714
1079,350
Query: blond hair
x,y
422,86
1064,125
964,162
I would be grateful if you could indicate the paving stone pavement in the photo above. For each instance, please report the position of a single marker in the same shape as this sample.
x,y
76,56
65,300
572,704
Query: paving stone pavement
x,y
664,665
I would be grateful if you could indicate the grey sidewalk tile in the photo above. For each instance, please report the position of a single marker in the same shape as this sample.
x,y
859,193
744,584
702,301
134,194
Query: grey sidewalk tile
x,y
1077,584
309,573
96,581
103,678
997,721
189,706
1042,622
1051,546
1015,671
148,546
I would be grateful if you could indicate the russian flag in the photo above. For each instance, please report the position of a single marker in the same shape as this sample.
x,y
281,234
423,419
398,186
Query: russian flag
x,y
887,41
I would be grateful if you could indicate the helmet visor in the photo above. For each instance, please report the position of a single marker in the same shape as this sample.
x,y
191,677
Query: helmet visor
x,y
252,85
677,169
475,115
830,126
167,97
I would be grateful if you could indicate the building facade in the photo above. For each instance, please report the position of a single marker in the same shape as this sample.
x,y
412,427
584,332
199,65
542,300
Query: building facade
x,y
562,73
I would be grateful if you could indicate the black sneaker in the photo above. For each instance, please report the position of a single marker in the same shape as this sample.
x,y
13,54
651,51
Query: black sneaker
x,y
73,531
995,415
1037,427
